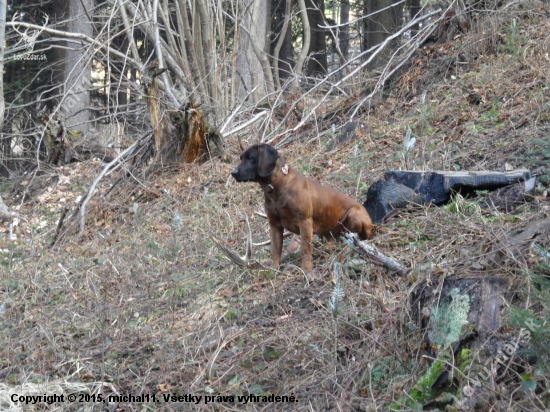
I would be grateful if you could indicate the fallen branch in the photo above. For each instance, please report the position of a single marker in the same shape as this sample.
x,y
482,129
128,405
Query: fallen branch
x,y
377,256
90,192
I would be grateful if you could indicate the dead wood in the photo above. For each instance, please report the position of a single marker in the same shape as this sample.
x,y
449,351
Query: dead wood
x,y
59,225
401,187
512,245
62,146
378,257
178,134
508,198
385,197
437,186
481,298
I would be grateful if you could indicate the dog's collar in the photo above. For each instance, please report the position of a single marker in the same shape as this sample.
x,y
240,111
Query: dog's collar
x,y
270,187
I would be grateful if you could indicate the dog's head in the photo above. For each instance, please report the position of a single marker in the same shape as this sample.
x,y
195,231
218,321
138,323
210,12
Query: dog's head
x,y
257,163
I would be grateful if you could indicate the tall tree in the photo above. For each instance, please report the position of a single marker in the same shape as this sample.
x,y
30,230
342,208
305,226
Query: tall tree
x,y
317,63
74,74
344,34
282,48
2,42
382,22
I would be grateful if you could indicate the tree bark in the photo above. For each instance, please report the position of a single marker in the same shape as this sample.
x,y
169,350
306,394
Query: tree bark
x,y
306,40
380,26
285,7
253,66
317,63
77,65
344,34
414,9
2,42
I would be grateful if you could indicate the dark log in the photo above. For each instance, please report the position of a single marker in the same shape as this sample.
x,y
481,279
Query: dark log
x,y
437,186
402,187
384,197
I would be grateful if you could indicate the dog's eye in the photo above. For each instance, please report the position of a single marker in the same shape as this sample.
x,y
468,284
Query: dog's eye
x,y
249,157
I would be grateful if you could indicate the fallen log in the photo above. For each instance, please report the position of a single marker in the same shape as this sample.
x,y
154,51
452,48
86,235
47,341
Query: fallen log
x,y
384,197
437,186
400,188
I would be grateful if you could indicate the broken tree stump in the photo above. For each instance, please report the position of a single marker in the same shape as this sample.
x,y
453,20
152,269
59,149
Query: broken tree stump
x,y
65,146
462,306
178,134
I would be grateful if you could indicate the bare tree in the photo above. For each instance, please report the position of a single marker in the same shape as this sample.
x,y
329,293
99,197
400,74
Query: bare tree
x,y
2,41
306,40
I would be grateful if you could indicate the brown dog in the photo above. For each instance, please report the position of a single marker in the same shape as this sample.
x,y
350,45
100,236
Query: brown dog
x,y
299,204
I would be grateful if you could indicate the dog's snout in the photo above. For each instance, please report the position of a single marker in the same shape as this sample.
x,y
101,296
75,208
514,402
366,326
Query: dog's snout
x,y
235,172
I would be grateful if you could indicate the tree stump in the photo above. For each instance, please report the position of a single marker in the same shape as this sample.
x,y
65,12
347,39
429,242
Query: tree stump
x,y
178,134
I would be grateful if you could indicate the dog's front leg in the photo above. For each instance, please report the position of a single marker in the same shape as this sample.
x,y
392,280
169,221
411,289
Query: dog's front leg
x,y
276,248
306,233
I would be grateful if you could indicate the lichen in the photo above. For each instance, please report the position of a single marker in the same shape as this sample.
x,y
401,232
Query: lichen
x,y
448,319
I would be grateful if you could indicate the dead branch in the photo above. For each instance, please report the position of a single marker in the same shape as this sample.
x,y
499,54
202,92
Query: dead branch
x,y
90,192
377,256
158,49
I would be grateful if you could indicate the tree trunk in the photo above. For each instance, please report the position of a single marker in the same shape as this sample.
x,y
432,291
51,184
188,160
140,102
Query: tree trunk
x,y
5,144
306,40
76,69
380,26
281,71
251,44
317,63
414,9
344,34
2,42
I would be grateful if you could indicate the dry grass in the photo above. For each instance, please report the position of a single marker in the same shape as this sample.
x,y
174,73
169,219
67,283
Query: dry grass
x,y
144,302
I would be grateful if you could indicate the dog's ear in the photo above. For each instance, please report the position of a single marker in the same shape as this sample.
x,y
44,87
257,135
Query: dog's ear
x,y
268,160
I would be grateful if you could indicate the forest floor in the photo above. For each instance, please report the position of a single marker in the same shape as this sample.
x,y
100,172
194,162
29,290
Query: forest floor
x,y
144,303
